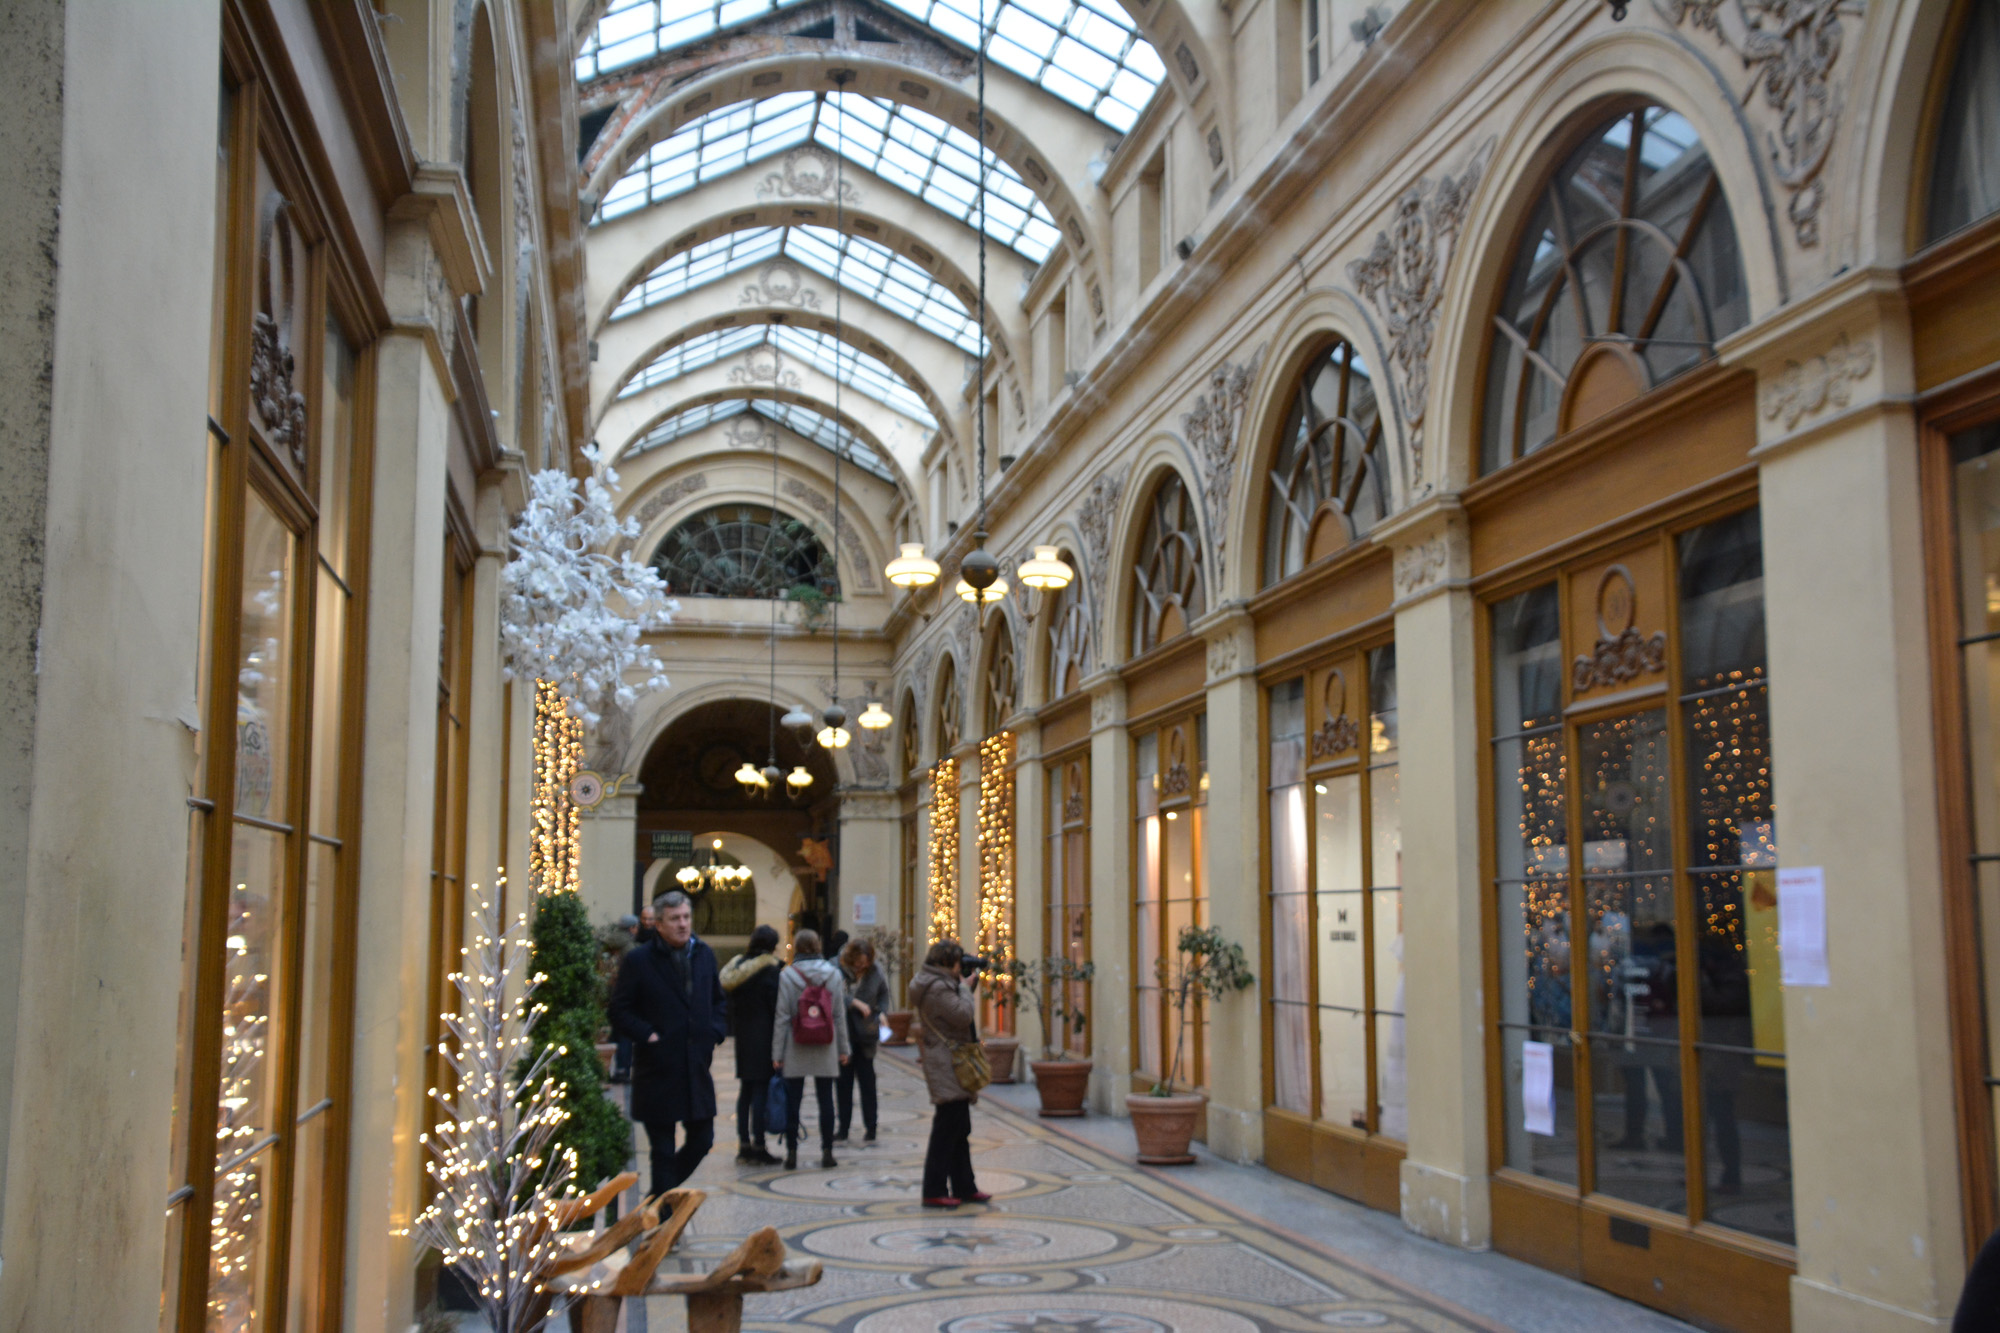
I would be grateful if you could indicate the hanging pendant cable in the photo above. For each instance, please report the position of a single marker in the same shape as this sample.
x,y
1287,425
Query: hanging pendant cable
x,y
771,754
839,345
979,570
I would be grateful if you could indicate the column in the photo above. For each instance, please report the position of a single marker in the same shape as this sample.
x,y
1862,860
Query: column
x,y
1874,1159
609,834
1235,877
103,375
871,836
391,1025
1031,811
1110,894
1444,1177
486,767
967,755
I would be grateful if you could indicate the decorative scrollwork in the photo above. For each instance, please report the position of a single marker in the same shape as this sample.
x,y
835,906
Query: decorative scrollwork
x,y
1622,654
280,406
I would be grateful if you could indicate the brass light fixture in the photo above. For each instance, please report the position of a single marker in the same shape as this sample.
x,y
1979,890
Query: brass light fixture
x,y
875,717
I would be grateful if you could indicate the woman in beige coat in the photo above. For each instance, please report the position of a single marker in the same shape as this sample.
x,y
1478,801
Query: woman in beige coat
x,y
945,1006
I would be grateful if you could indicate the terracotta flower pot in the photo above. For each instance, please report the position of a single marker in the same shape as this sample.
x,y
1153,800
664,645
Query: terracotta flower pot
x,y
1164,1126
1000,1056
899,1027
1063,1084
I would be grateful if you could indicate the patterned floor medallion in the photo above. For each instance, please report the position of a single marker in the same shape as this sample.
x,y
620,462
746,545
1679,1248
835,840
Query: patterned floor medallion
x,y
1075,1241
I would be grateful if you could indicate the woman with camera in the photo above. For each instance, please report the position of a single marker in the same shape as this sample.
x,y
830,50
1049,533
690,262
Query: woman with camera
x,y
943,996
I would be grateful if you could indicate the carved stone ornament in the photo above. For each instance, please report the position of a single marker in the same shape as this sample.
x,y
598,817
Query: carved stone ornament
x,y
1222,655
1096,303
1215,148
1103,710
747,430
764,364
1790,47
1805,388
850,542
1072,800
807,172
669,495
1624,654
1214,429
1419,566
1338,733
1403,277
281,408
782,283
1094,518
1176,780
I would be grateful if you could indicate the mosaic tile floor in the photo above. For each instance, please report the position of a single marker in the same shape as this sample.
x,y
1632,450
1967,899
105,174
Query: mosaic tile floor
x,y
1076,1240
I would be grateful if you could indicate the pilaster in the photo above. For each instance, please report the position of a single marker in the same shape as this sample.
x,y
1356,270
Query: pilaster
x,y
1030,864
1444,1177
1110,892
1235,877
609,836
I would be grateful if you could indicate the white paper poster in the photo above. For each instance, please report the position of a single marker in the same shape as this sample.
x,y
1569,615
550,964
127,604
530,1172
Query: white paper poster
x,y
1538,1087
1802,926
864,909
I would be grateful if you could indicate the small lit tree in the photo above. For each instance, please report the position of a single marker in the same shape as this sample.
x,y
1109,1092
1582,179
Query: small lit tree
x,y
1043,984
500,1178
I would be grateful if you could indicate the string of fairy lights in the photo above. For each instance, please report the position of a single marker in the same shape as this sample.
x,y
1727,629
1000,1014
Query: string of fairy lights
x,y
944,851
555,851
996,854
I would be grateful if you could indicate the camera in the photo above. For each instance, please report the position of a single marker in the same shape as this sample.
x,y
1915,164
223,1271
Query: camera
x,y
971,965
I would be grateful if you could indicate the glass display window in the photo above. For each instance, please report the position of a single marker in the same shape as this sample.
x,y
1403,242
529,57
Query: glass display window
x,y
1334,899
1170,894
1639,1024
1066,902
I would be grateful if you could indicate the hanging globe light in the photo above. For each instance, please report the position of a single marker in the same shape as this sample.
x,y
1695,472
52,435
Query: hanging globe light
x,y
798,719
834,735
875,716
993,592
913,569
772,773
749,776
798,779
1048,571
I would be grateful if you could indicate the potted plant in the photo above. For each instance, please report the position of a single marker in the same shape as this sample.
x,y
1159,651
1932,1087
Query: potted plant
x,y
892,955
1208,968
1001,1047
1061,1079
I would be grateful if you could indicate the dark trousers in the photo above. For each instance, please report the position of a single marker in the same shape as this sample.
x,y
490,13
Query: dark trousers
x,y
621,1063
948,1163
670,1168
795,1098
750,1107
859,1069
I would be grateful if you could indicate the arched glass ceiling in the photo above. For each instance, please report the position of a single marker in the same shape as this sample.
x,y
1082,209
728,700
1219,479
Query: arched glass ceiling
x,y
856,369
937,162
1084,51
870,270
822,430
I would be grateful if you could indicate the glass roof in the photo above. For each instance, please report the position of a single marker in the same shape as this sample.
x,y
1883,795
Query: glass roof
x,y
856,369
822,430
937,162
1086,53
869,269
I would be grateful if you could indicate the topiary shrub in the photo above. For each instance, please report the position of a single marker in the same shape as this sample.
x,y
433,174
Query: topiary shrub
x,y
566,952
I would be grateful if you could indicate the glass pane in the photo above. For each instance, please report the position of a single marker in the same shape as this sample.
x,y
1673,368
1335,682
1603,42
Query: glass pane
x,y
263,677
1527,661
1977,497
329,663
1627,829
1146,934
1749,1143
1722,603
336,457
1551,1156
1342,988
1343,1067
1290,944
1392,1096
246,1098
1146,780
1177,883
1385,820
304,1307
1965,179
1641,1154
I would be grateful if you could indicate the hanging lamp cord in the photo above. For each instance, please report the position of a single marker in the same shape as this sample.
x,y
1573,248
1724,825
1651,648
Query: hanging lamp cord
x,y
772,759
979,429
839,343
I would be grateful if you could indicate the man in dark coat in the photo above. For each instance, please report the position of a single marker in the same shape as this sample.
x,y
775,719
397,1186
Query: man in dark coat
x,y
668,1000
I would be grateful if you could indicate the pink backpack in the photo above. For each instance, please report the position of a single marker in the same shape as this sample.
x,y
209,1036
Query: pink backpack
x,y
812,1022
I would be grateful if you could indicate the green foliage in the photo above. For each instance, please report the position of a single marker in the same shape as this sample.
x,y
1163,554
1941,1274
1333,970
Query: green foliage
x,y
566,953
815,606
1044,984
1209,967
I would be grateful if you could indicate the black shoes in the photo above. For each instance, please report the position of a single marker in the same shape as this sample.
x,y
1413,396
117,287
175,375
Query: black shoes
x,y
764,1156
791,1159
869,1137
826,1159
749,1156
841,1137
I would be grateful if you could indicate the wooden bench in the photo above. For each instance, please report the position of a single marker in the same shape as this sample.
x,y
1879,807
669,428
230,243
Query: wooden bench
x,y
630,1258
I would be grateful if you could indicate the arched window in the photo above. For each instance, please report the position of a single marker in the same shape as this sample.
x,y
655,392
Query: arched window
x,y
1069,637
1627,273
951,711
747,551
1965,173
1326,482
1167,578
1002,678
912,746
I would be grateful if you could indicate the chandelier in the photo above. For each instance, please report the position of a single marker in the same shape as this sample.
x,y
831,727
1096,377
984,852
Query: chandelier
x,y
698,880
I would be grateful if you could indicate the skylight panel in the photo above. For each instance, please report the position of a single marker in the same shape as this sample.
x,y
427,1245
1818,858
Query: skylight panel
x,y
687,423
709,146
1089,55
702,264
827,433
856,369
634,30
889,280
690,356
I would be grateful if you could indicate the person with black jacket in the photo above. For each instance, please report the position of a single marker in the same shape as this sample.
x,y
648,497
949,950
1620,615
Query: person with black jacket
x,y
668,1000
751,981
867,997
